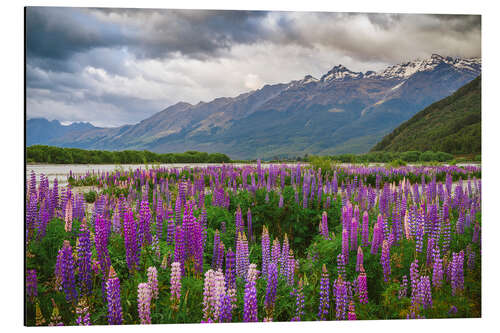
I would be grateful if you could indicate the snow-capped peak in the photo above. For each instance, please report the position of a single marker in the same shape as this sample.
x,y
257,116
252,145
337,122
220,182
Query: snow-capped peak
x,y
407,69
340,73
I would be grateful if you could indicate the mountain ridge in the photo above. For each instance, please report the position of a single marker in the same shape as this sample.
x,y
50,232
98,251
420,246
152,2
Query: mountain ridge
x,y
343,111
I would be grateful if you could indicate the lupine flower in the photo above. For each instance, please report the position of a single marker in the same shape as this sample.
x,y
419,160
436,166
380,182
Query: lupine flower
x,y
242,261
175,285
55,318
153,281
272,284
145,236
345,245
323,226
424,292
299,302
249,225
113,298
215,250
101,244
265,243
359,259
65,270
385,260
354,234
403,288
82,310
84,261
324,295
144,303
39,319
457,272
68,217
341,265
130,238
365,230
214,292
362,286
437,269
352,312
250,298
414,278
179,253
340,299
31,284
230,275
284,257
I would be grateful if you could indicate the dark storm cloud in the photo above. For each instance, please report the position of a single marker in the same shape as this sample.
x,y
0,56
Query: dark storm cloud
x,y
116,66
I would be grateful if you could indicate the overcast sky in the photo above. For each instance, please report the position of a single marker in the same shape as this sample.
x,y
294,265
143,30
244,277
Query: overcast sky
x,y
118,66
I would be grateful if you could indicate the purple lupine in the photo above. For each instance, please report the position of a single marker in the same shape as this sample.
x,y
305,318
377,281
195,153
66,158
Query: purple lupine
x,y
324,295
250,298
299,302
215,254
341,265
272,284
153,281
265,244
351,315
414,278
65,270
113,298
376,238
284,257
242,261
362,286
359,259
437,268
365,230
341,299
385,260
424,292
238,221
31,284
475,235
323,226
84,260
249,225
290,278
230,275
159,218
145,236
131,243
178,211
175,285
101,244
179,252
144,303
457,272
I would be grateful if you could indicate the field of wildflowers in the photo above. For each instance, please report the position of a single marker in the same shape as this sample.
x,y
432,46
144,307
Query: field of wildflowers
x,y
254,243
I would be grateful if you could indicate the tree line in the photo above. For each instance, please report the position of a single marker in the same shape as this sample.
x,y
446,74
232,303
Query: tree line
x,y
58,155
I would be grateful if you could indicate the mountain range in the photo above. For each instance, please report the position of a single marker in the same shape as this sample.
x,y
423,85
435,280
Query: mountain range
x,y
342,112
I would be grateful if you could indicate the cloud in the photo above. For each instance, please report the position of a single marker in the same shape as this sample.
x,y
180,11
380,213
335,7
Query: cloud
x,y
118,66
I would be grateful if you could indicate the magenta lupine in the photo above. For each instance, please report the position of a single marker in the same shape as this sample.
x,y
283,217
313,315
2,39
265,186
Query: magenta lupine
x,y
131,242
230,275
68,216
265,247
352,312
31,284
345,245
170,225
179,252
113,298
376,238
178,211
250,298
365,230
144,303
324,295
362,286
153,281
385,260
299,301
359,259
354,234
323,226
175,285
84,260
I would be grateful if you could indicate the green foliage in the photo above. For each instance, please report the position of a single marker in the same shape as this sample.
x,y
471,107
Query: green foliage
x,y
57,155
90,196
451,125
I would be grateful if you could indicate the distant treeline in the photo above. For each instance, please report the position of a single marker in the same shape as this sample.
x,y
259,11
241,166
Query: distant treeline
x,y
57,155
388,156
